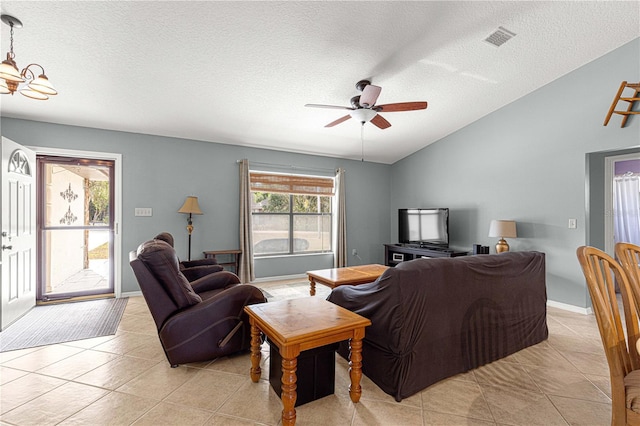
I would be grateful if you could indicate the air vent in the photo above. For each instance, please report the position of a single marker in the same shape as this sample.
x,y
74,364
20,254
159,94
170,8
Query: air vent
x,y
500,37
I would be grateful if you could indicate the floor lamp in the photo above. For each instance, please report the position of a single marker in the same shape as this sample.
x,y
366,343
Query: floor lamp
x,y
190,207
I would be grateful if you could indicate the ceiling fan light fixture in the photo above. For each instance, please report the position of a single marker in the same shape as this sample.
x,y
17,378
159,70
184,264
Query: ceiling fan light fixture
x,y
363,115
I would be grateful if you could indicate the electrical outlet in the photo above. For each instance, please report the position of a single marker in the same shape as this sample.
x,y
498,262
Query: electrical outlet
x,y
143,211
354,252
573,223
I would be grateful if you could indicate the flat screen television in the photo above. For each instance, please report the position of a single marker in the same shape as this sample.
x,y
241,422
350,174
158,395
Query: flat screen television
x,y
426,227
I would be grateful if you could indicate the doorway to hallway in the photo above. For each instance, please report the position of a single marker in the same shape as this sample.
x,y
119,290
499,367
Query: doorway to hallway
x,y
75,220
622,200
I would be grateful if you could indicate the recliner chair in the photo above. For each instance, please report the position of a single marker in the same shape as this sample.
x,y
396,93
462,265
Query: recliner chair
x,y
196,321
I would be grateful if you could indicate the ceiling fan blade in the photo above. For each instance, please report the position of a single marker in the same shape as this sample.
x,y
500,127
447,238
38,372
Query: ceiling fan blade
x,y
402,106
380,122
338,121
328,106
370,95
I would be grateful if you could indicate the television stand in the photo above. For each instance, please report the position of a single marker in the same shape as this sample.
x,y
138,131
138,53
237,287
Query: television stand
x,y
398,253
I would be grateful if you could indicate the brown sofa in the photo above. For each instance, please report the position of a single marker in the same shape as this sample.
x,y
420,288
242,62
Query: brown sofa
x,y
435,318
199,320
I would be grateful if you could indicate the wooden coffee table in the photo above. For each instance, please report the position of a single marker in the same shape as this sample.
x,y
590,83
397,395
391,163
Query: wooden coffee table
x,y
298,325
351,275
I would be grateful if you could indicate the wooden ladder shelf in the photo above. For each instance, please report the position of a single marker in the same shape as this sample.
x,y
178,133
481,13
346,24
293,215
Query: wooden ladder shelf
x,y
631,100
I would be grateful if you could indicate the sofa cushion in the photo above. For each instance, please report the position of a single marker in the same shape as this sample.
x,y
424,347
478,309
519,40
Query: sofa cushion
x,y
162,260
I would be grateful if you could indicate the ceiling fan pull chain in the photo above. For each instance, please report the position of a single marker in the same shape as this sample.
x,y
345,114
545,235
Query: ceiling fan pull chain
x,y
362,141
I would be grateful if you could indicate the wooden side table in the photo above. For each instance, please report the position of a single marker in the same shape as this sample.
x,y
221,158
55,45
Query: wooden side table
x,y
352,275
297,325
233,254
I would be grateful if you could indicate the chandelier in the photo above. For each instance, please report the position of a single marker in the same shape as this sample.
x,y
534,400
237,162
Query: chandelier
x,y
10,78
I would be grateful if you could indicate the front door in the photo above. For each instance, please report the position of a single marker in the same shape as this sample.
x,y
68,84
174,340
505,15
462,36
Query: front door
x,y
18,254
76,223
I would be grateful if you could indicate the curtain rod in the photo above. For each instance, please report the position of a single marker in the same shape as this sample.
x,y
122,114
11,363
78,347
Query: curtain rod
x,y
289,166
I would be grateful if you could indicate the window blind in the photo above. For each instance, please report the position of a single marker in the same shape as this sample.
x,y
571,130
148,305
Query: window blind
x,y
291,184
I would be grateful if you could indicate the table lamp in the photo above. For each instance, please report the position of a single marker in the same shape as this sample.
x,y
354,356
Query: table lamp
x,y
502,229
190,207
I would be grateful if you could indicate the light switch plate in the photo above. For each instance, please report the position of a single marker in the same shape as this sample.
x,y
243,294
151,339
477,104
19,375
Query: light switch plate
x,y
573,223
143,211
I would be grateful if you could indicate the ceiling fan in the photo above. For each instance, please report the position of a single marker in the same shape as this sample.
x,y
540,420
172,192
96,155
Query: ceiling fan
x,y
363,107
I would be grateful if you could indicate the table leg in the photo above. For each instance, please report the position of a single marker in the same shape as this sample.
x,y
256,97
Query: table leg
x,y
355,368
289,394
312,285
256,372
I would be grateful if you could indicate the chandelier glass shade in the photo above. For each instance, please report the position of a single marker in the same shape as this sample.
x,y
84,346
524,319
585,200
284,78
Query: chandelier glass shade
x,y
38,85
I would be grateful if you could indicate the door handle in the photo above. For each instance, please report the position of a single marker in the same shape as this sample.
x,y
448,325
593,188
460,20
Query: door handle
x,y
6,247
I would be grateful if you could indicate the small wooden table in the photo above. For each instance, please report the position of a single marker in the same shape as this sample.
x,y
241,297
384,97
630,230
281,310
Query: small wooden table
x,y
235,255
297,325
352,275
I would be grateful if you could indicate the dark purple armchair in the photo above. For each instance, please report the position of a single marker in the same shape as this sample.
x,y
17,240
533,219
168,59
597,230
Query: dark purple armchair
x,y
199,320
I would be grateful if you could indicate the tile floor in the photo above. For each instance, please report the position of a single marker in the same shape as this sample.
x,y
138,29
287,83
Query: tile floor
x,y
124,379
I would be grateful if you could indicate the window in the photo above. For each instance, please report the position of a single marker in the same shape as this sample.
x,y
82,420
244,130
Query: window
x,y
291,214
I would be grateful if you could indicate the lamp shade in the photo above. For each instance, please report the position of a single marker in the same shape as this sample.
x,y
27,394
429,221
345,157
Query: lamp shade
x,y
33,94
190,206
4,89
502,229
9,72
42,85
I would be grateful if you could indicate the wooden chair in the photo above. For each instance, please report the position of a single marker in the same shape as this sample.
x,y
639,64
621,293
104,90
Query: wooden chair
x,y
602,272
629,257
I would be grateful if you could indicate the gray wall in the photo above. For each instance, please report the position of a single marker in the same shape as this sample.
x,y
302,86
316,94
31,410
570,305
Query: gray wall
x,y
527,162
160,172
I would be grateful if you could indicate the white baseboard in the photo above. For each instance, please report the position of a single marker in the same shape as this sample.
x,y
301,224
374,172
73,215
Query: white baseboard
x,y
257,280
570,308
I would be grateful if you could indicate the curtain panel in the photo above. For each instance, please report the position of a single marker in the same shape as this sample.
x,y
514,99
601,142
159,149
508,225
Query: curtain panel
x,y
246,272
340,222
626,210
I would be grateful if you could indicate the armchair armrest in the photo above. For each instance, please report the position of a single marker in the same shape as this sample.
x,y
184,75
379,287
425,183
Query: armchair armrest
x,y
196,272
215,281
198,262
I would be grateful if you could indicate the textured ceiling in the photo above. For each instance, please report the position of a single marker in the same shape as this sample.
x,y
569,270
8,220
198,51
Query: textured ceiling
x,y
241,72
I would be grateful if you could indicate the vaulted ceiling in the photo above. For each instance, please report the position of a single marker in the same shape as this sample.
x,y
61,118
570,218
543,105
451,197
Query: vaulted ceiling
x,y
241,72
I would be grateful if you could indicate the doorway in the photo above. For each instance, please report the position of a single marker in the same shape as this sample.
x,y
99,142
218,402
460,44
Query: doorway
x,y
622,200
76,227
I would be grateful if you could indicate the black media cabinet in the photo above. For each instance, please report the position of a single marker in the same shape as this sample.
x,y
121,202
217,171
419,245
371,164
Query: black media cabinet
x,y
398,253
